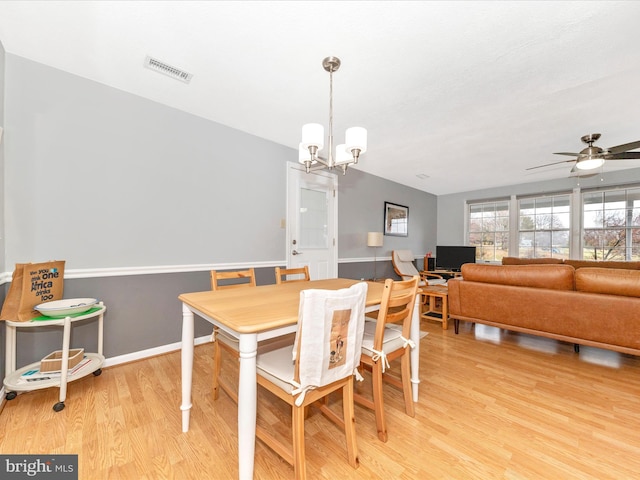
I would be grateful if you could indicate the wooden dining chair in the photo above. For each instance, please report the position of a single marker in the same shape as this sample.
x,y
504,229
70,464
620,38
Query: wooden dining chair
x,y
326,355
386,340
233,279
301,274
221,341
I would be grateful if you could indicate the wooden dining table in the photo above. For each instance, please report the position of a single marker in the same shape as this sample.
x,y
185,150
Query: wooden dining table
x,y
253,315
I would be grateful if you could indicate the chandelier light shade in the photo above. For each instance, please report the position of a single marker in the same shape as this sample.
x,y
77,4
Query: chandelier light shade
x,y
313,137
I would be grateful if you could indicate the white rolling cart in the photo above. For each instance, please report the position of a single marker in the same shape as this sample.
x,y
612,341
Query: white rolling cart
x,y
13,383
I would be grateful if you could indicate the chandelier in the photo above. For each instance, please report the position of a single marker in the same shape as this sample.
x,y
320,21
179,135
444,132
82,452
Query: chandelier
x,y
313,137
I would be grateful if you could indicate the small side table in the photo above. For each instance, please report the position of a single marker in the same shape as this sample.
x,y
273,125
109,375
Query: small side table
x,y
13,382
429,312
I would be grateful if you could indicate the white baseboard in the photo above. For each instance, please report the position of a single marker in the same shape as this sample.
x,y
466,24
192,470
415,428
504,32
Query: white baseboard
x,y
132,357
151,352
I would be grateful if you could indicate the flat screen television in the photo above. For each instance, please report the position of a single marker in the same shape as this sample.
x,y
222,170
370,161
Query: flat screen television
x,y
453,257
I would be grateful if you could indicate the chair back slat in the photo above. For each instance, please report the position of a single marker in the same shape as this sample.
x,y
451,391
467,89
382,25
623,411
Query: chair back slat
x,y
233,279
301,274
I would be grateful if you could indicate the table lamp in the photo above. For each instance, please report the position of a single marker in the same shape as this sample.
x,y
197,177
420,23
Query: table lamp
x,y
374,239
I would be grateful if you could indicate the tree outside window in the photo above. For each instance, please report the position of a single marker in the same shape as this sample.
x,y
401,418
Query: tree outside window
x,y
611,225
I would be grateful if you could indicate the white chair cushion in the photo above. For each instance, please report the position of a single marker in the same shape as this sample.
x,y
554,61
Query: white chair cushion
x,y
436,281
227,339
277,366
391,342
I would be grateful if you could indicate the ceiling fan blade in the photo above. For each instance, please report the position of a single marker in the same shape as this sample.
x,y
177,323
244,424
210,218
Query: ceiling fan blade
x,y
624,148
576,174
567,153
549,164
622,156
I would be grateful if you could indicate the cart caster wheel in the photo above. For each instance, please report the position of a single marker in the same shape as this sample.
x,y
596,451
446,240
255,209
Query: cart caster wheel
x,y
97,372
10,395
58,406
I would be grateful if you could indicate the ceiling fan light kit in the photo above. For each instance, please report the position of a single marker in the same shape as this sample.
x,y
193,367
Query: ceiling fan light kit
x,y
312,143
594,157
589,163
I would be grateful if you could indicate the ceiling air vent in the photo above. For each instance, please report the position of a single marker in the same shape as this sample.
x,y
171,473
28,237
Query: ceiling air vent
x,y
161,67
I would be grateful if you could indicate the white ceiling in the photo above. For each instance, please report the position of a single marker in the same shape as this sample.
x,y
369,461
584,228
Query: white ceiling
x,y
468,93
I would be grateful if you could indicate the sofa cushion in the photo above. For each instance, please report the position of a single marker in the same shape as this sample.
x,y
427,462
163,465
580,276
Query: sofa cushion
x,y
605,264
559,277
529,261
611,281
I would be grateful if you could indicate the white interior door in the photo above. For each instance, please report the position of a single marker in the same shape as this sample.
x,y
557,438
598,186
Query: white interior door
x,y
312,221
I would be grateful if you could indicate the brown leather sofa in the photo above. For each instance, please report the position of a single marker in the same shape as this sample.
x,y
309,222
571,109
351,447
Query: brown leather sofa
x,y
592,306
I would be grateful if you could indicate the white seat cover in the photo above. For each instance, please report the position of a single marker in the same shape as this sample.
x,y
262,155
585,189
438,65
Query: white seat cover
x,y
392,340
330,331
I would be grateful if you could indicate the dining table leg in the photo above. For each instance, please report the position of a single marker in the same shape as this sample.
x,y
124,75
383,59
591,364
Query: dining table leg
x,y
187,365
247,405
415,352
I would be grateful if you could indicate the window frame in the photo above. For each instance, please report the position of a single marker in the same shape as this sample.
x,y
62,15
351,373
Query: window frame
x,y
628,228
491,234
542,228
576,231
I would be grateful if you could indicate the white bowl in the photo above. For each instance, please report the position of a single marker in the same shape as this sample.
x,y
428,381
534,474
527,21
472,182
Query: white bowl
x,y
62,308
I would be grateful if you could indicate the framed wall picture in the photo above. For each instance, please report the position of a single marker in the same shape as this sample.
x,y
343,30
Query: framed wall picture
x,y
396,220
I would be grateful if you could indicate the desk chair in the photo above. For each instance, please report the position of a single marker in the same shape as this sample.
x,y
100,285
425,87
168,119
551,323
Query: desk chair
x,y
402,261
326,355
385,340
221,341
301,273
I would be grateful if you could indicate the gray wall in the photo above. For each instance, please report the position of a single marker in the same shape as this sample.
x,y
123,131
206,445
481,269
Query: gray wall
x,y
364,195
451,208
104,178
107,180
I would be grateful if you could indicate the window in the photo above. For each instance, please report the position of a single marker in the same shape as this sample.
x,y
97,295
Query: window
x,y
544,226
606,226
611,225
489,230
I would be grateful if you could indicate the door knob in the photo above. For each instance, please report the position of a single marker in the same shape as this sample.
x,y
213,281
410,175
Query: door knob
x,y
295,252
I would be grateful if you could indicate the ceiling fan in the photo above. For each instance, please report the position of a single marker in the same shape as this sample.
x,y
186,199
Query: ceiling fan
x,y
593,156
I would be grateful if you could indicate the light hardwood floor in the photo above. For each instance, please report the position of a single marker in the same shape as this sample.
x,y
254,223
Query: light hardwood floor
x,y
493,404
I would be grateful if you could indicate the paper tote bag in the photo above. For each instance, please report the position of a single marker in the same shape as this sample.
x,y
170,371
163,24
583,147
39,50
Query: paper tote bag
x,y
31,285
